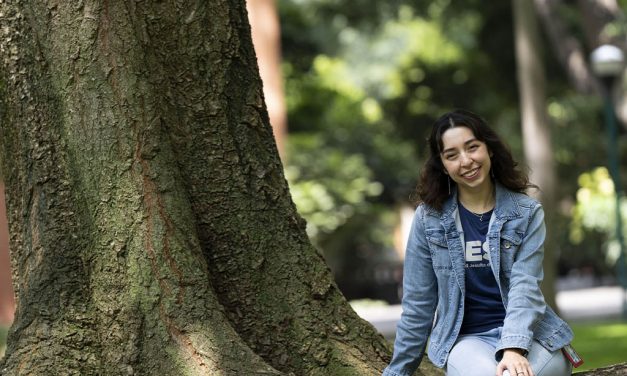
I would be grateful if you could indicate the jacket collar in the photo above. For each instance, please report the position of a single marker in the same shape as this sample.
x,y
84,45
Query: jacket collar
x,y
506,203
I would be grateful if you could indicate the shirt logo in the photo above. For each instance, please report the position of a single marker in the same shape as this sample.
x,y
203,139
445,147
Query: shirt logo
x,y
476,252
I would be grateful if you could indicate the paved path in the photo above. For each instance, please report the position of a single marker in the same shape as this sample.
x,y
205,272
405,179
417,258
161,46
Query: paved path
x,y
599,303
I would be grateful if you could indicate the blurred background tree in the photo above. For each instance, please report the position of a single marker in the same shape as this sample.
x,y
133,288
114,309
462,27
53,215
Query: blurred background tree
x,y
366,79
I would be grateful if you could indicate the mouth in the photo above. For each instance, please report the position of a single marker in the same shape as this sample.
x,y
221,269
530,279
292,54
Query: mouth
x,y
471,174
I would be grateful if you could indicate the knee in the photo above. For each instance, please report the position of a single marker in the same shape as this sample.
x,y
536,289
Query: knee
x,y
471,358
470,367
556,366
548,363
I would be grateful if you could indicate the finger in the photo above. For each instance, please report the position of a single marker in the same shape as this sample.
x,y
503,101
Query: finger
x,y
499,370
523,370
529,370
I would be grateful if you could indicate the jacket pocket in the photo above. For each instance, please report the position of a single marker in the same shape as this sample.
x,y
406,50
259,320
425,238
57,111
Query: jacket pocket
x,y
439,251
509,244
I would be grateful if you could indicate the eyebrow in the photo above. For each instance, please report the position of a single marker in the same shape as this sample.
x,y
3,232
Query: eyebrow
x,y
465,143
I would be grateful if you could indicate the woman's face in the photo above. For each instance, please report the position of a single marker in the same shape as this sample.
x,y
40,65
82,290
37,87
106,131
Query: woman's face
x,y
466,159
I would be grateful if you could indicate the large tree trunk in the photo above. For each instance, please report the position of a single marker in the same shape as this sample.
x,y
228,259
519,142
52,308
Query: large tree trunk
x,y
151,226
535,128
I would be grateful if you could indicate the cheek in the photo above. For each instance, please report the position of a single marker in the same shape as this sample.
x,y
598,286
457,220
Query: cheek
x,y
488,161
449,167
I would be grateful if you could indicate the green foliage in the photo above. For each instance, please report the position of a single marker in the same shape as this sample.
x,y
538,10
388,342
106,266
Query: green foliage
x,y
595,210
569,112
375,62
600,344
328,185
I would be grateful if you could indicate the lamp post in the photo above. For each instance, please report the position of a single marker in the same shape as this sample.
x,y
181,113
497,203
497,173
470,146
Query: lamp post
x,y
608,63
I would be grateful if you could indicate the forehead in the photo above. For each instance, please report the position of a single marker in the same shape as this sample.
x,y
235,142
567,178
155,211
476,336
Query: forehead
x,y
456,137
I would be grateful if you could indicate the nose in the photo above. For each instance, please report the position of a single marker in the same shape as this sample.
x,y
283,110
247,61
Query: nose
x,y
465,159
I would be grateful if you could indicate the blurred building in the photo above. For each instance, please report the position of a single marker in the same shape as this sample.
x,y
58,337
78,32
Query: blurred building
x,y
7,300
266,33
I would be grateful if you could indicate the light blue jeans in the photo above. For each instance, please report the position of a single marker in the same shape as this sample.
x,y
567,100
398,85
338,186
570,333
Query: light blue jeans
x,y
473,355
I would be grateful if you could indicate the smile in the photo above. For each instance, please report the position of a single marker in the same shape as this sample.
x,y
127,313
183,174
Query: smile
x,y
471,174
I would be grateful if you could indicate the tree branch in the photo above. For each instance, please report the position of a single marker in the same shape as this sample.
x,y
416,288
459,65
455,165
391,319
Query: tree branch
x,y
569,50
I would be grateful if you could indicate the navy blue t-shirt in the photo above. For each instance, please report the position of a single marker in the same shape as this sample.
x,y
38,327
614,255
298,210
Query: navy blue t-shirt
x,y
483,306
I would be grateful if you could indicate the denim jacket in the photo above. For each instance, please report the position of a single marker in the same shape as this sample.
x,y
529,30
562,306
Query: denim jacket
x,y
434,284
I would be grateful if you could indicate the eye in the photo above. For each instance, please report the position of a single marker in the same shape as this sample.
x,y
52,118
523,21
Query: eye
x,y
450,156
473,147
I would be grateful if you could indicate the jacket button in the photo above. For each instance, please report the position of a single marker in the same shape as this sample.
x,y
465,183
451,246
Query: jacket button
x,y
507,244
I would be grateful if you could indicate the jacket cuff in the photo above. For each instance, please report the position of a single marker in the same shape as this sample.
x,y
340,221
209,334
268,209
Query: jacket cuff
x,y
519,342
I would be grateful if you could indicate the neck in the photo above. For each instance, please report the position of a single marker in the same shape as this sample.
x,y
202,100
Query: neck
x,y
478,200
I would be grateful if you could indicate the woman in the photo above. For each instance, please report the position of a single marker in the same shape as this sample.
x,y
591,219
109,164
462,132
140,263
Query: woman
x,y
474,263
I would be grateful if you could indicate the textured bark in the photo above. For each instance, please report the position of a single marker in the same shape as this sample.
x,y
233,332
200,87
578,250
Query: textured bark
x,y
615,370
535,128
151,226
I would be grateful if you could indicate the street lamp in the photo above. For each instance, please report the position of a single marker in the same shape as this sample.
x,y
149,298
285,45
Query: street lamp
x,y
608,62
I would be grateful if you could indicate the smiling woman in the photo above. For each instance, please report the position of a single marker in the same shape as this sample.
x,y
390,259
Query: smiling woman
x,y
474,256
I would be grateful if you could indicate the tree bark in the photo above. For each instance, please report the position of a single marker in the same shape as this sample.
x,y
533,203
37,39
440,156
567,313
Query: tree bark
x,y
535,128
152,231
615,370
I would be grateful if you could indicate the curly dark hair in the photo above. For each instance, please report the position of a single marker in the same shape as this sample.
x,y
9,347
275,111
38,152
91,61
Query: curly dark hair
x,y
433,185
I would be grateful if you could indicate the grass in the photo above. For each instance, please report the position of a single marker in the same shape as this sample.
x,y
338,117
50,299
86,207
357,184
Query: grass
x,y
600,344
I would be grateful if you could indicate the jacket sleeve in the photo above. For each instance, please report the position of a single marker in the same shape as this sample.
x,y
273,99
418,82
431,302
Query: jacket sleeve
x,y
526,304
419,303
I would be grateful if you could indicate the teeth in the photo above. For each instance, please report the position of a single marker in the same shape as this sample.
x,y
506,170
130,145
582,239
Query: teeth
x,y
471,172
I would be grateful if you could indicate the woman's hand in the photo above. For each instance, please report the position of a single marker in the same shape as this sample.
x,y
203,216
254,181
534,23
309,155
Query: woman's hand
x,y
515,363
